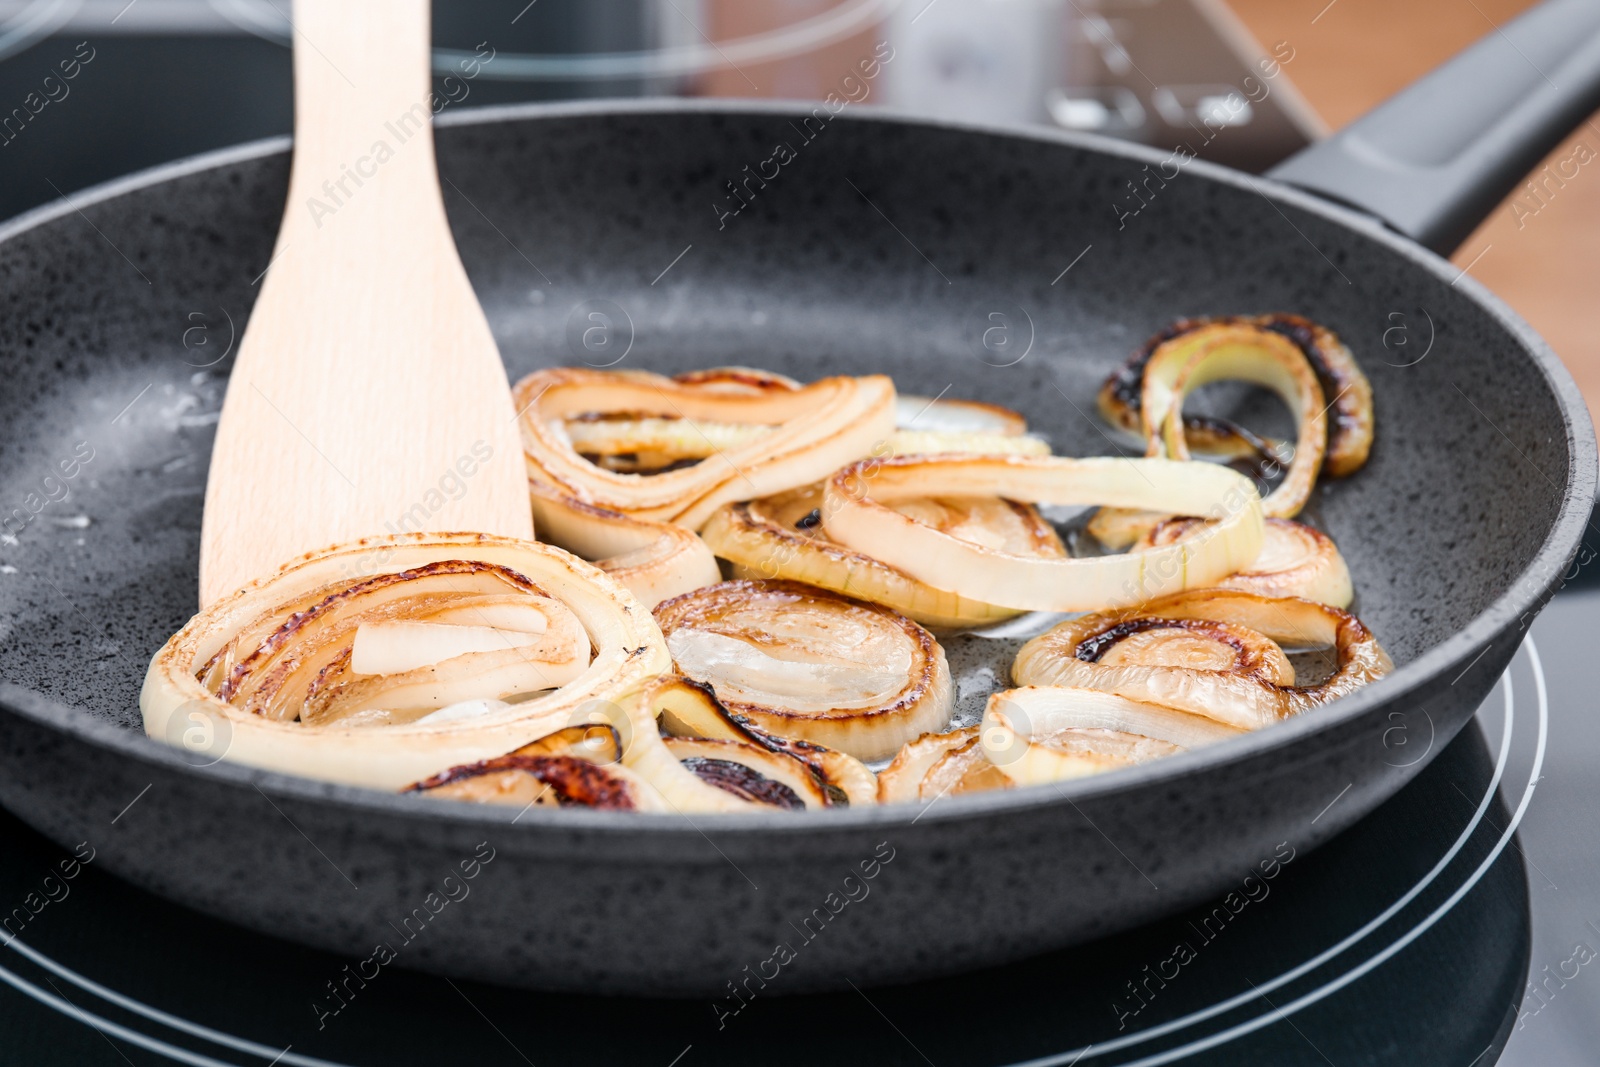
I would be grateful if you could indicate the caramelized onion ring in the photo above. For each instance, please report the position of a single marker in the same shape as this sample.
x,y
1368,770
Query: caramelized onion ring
x,y
802,663
627,652
814,430
1296,560
858,512
1245,696
781,536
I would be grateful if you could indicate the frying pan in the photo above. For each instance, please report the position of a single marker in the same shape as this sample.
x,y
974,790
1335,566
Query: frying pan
x,y
883,245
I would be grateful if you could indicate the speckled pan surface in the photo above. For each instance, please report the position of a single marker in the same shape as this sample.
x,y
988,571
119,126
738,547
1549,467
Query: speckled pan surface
x,y
881,246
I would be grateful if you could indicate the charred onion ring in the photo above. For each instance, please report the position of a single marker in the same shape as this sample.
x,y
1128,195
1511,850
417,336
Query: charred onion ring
x,y
781,536
811,432
801,663
757,775
577,766
281,649
1349,433
1295,560
690,709
1208,652
1286,354
858,512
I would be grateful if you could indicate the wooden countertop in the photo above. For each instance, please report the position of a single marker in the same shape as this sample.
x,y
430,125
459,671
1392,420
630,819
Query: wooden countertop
x,y
1538,253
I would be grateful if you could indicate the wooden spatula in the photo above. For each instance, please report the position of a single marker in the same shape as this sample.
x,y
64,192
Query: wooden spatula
x,y
368,395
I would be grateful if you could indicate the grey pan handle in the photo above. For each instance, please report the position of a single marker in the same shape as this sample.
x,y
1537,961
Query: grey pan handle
x,y
1433,160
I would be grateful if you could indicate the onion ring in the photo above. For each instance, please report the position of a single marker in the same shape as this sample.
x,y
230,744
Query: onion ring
x,y
781,536
655,560
812,431
1350,431
857,512
1296,560
690,709
802,663
1246,694
1038,734
936,765
226,641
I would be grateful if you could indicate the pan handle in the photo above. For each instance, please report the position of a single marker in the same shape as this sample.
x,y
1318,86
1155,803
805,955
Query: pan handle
x,y
1433,160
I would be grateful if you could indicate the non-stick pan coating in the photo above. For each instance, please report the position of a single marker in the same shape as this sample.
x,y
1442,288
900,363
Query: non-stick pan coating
x,y
881,246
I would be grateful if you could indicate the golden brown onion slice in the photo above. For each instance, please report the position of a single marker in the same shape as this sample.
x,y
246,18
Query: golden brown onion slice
x,y
801,663
859,511
1047,733
1234,677
1295,560
266,671
812,431
781,536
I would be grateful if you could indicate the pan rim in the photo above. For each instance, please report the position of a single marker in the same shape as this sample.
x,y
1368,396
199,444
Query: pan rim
x,y
1531,587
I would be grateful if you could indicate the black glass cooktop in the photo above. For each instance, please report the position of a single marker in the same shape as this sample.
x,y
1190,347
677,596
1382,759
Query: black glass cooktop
x,y
1456,926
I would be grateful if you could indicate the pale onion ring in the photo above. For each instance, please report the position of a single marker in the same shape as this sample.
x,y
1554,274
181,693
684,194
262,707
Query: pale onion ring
x,y
1296,560
815,429
802,663
781,536
689,709
937,765
627,654
1037,734
1246,697
655,560
857,513
1350,431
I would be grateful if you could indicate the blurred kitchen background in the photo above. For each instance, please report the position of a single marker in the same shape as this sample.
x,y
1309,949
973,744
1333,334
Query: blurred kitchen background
x,y
155,80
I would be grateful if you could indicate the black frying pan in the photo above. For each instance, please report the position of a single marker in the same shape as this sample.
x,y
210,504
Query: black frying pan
x,y
885,245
